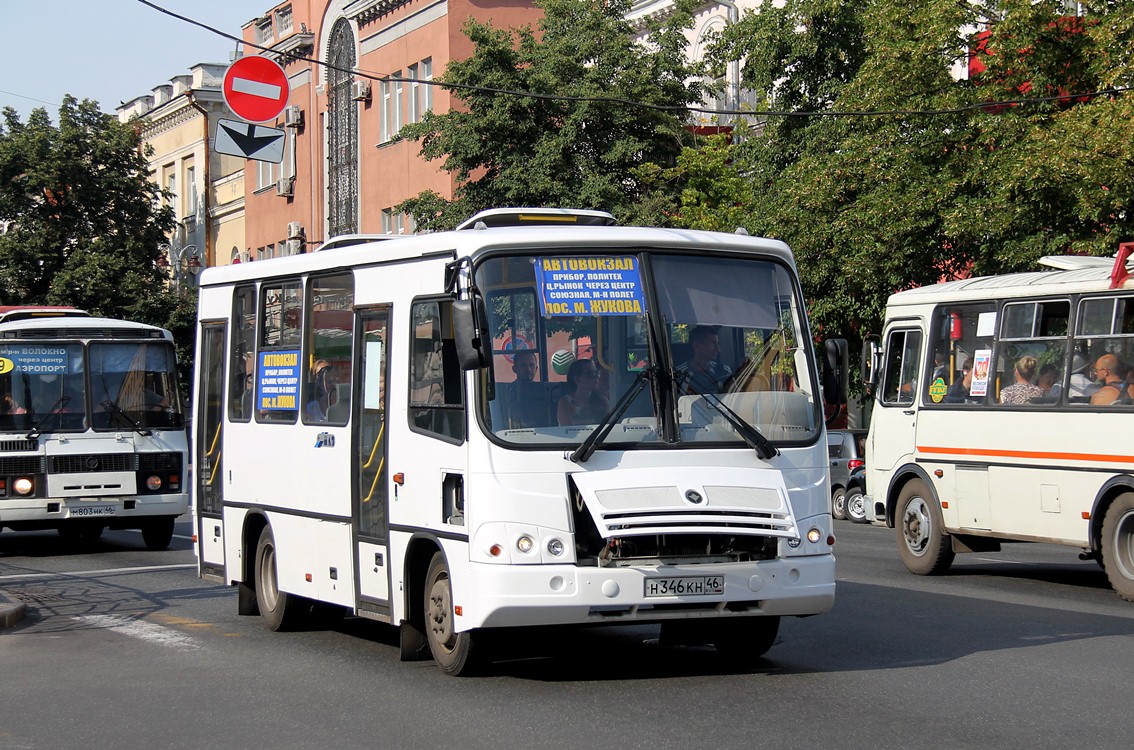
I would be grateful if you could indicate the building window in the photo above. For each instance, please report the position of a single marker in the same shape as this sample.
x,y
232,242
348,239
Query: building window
x,y
265,175
283,20
264,30
171,185
190,191
421,91
387,221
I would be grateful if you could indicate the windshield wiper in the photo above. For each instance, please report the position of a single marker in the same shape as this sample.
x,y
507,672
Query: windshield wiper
x,y
753,437
112,406
587,449
34,433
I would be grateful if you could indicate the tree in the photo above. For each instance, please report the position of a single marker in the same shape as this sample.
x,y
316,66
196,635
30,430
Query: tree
x,y
935,183
83,221
570,150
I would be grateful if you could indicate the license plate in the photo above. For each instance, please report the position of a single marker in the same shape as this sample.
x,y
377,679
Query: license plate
x,y
685,586
87,511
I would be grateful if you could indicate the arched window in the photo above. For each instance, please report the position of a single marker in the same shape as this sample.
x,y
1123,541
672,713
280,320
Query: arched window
x,y
342,133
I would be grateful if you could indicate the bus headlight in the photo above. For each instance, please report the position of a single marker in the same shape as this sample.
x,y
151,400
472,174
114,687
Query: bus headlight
x,y
555,547
153,483
525,544
814,535
23,486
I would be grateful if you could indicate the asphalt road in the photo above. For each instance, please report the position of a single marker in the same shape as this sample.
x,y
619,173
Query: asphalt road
x,y
122,647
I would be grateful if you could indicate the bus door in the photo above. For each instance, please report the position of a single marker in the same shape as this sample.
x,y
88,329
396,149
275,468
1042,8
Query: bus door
x,y
371,490
207,451
894,421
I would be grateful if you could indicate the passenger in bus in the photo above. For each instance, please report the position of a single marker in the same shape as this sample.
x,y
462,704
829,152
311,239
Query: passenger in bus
x,y
958,392
9,405
582,404
322,392
1023,390
703,373
1110,372
1081,386
1047,381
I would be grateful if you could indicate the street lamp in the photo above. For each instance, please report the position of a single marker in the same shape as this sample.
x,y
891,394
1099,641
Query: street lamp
x,y
184,259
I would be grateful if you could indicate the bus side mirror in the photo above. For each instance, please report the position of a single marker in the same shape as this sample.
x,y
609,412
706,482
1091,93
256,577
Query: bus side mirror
x,y
871,357
836,378
471,333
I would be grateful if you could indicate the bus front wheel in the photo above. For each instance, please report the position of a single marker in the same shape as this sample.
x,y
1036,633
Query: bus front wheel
x,y
280,610
922,542
454,652
1118,545
743,640
158,533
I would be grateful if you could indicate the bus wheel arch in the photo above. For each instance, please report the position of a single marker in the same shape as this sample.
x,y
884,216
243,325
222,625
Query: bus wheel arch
x,y
254,525
413,643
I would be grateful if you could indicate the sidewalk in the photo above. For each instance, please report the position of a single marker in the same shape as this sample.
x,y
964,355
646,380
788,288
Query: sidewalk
x,y
11,610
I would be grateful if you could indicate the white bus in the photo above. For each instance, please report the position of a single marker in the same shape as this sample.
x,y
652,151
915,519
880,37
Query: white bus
x,y
990,423
92,431
497,427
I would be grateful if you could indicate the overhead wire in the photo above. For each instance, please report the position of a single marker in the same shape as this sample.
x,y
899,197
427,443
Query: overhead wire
x,y
985,105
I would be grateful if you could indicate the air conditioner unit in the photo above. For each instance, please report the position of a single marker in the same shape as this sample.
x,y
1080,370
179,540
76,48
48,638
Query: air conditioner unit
x,y
360,90
293,116
283,187
295,230
294,247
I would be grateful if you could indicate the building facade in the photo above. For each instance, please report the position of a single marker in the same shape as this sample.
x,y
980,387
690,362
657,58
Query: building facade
x,y
205,189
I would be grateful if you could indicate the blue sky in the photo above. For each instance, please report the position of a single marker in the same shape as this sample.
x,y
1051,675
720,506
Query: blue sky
x,y
108,50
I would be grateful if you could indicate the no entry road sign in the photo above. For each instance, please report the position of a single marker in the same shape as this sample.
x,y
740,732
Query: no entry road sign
x,y
256,88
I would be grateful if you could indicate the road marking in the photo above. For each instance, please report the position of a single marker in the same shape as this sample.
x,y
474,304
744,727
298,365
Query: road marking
x,y
145,631
95,573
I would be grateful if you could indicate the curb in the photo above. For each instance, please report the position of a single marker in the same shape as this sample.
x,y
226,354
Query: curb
x,y
11,610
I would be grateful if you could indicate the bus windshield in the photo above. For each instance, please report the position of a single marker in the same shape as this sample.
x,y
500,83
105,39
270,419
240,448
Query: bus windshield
x,y
106,385
719,342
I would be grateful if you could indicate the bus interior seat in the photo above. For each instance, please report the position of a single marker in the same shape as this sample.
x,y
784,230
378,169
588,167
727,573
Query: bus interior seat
x,y
340,410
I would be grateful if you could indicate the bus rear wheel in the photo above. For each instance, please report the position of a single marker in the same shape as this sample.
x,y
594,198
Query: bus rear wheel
x,y
158,533
922,542
1118,545
280,610
455,653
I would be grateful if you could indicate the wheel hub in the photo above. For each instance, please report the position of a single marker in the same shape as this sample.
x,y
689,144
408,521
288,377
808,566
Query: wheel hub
x,y
438,616
916,526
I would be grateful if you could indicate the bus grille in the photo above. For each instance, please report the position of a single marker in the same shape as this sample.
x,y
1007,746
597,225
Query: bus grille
x,y
13,465
663,510
83,333
14,446
92,462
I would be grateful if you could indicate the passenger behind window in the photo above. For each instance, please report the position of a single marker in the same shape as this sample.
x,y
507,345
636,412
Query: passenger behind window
x,y
1111,373
1047,381
322,392
703,372
1081,387
1023,390
582,404
958,392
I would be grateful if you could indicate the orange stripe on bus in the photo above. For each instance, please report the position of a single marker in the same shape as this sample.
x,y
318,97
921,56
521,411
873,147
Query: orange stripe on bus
x,y
998,453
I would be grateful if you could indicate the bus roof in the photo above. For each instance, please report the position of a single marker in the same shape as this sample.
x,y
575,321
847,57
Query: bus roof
x,y
466,243
1088,277
10,313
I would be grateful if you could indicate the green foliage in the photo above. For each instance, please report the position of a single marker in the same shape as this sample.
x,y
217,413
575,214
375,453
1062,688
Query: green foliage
x,y
530,151
940,185
83,220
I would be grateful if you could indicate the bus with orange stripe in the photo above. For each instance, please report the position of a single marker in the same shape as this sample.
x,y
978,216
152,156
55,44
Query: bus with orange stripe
x,y
999,413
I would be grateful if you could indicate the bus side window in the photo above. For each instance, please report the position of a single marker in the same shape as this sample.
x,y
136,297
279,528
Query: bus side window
x,y
436,398
901,367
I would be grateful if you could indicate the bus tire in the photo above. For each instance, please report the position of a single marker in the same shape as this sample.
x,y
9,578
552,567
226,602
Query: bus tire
x,y
742,640
455,653
158,533
839,504
280,610
922,542
1118,545
855,506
